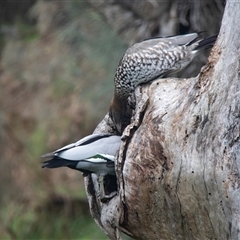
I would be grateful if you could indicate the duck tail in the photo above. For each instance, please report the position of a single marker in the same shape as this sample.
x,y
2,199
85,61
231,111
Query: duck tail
x,y
206,42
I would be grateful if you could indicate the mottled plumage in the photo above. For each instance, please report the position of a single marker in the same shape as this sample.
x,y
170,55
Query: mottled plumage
x,y
149,60
92,154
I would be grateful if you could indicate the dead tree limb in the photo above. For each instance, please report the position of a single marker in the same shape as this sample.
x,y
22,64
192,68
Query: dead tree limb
x,y
179,163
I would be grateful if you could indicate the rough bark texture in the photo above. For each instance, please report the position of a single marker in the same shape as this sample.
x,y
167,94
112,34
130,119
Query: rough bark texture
x,y
179,163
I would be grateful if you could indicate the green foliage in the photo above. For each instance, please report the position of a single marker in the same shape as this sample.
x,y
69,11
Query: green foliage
x,y
54,89
97,50
22,222
62,87
37,141
27,32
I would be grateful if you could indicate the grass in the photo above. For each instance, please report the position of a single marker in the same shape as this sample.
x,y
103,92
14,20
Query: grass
x,y
25,222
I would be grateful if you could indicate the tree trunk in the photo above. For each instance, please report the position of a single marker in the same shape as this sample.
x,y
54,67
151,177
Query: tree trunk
x,y
179,163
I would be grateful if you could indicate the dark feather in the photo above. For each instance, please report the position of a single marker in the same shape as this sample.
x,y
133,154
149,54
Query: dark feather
x,y
59,162
97,137
207,42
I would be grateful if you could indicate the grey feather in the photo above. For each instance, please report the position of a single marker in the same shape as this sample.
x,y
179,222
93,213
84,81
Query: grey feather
x,y
154,58
175,40
92,154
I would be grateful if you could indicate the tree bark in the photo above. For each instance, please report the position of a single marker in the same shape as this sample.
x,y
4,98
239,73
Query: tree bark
x,y
179,163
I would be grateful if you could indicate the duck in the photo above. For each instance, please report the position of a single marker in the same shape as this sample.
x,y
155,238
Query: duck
x,y
92,154
149,60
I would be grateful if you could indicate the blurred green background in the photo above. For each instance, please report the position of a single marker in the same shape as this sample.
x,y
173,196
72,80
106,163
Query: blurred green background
x,y
56,82
57,64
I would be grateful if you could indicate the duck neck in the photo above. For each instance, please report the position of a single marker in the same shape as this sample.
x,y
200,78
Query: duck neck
x,y
117,111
